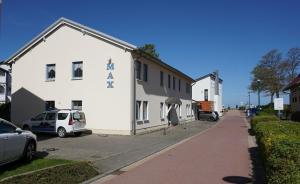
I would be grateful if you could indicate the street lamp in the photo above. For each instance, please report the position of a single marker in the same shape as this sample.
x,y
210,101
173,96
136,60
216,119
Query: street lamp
x,y
258,91
249,102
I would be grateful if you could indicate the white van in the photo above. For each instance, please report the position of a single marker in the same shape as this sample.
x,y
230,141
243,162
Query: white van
x,y
62,122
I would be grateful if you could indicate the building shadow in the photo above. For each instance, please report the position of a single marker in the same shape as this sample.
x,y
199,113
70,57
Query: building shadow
x,y
258,170
237,179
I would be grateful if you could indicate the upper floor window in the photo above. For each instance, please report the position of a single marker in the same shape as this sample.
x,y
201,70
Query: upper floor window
x,y
161,78
138,67
179,84
50,69
145,72
187,88
169,81
2,73
206,95
49,105
77,70
2,89
77,105
174,83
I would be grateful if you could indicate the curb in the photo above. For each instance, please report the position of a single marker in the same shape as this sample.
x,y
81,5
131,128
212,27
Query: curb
x,y
106,176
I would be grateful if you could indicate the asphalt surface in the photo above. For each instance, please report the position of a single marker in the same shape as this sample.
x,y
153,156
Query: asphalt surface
x,y
110,152
219,155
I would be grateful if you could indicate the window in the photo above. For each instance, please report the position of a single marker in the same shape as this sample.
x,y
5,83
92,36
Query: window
x,y
62,116
169,81
50,72
6,128
179,111
162,115
145,72
77,70
206,95
2,73
187,88
77,105
138,110
49,105
174,83
179,84
161,78
145,110
138,67
39,117
2,89
50,116
188,110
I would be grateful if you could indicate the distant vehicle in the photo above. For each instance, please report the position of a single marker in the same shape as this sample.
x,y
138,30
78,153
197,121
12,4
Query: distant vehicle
x,y
208,116
15,143
62,122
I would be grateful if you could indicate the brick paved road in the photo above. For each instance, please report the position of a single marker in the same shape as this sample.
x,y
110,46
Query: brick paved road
x,y
219,155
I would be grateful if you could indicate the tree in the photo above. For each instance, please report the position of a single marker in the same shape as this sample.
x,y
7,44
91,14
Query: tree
x,y
292,63
271,73
150,49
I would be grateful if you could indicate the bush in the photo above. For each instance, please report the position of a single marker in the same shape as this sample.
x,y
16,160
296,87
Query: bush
x,y
263,118
279,144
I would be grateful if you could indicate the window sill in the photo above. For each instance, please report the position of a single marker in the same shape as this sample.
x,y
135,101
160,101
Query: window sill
x,y
79,78
50,80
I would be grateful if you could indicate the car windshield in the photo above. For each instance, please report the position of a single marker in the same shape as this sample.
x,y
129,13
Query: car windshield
x,y
80,114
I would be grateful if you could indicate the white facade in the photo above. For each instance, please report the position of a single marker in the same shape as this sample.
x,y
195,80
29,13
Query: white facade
x,y
5,84
208,82
106,90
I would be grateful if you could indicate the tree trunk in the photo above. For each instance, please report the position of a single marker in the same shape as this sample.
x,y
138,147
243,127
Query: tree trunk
x,y
272,97
277,94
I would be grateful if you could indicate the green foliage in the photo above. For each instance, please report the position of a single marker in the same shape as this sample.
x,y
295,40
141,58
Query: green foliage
x,y
263,118
279,144
150,49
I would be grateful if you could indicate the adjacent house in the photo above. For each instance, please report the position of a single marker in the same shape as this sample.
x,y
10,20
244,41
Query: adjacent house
x,y
207,91
121,89
5,84
294,88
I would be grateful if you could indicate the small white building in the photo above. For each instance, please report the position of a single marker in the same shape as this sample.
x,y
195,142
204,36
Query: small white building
x,y
5,84
121,89
209,88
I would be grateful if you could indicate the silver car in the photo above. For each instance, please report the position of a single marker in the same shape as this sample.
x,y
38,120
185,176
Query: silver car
x,y
15,143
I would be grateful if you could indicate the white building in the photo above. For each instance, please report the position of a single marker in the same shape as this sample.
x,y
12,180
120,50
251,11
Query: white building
x,y
5,84
207,88
71,66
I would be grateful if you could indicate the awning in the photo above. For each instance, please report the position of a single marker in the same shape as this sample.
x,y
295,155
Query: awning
x,y
173,100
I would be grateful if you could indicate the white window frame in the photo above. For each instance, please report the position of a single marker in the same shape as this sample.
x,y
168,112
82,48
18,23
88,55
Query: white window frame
x,y
138,110
72,105
48,66
162,111
180,113
146,110
73,70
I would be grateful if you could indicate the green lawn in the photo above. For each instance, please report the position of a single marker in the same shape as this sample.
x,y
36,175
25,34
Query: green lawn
x,y
75,172
21,167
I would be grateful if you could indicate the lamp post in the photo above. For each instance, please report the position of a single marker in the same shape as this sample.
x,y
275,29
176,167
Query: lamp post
x,y
258,91
249,102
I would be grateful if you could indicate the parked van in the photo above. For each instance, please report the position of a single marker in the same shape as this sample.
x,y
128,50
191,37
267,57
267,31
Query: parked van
x,y
62,122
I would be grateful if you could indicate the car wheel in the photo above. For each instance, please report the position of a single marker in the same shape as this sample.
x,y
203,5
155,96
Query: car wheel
x,y
29,151
61,132
77,134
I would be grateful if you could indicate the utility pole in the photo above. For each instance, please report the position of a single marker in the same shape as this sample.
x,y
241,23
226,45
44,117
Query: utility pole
x,y
249,102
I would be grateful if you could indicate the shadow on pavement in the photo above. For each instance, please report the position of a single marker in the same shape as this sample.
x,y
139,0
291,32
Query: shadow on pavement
x,y
237,179
47,136
257,164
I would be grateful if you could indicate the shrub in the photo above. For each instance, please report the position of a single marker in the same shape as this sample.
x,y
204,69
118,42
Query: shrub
x,y
279,144
263,118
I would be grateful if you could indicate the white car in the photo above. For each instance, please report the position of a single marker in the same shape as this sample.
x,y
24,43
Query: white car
x,y
15,143
62,122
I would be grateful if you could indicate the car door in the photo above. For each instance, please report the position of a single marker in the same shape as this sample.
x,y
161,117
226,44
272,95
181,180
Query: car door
x,y
49,122
1,147
14,142
37,123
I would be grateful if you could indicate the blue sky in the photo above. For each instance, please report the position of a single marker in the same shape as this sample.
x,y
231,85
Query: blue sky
x,y
196,37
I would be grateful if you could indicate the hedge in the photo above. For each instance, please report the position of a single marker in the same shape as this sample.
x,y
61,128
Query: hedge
x,y
279,144
263,118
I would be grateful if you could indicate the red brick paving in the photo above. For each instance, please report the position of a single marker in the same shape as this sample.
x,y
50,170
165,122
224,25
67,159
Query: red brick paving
x,y
207,158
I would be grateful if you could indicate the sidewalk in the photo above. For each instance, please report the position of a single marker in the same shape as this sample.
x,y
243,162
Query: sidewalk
x,y
219,155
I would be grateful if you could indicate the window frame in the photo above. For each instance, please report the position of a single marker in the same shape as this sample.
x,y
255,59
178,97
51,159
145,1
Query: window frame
x,y
138,70
72,105
174,83
47,75
205,94
145,72
48,108
169,81
161,78
179,84
162,111
73,70
138,110
145,111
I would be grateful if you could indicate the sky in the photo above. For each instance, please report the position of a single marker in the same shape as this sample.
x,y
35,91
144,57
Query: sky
x,y
196,37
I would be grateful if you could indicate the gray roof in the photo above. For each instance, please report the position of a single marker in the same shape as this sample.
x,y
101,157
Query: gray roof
x,y
211,75
64,21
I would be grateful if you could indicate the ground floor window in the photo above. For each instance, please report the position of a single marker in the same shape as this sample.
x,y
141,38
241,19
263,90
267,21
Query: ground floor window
x,y
77,105
162,114
49,105
138,110
188,110
145,110
179,107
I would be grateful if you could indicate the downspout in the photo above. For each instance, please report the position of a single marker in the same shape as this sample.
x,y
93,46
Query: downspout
x,y
134,100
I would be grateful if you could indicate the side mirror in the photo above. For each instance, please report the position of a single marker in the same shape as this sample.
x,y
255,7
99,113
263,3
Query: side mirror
x,y
19,130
